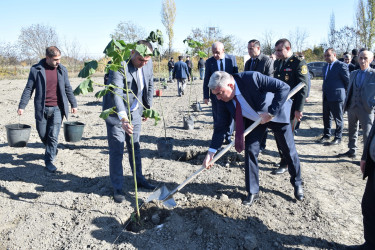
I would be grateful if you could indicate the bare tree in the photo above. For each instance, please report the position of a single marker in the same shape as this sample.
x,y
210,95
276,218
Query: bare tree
x,y
267,42
298,39
365,21
35,39
72,54
207,36
129,32
9,54
345,39
168,16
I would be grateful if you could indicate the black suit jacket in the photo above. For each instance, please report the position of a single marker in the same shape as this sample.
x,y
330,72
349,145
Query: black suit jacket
x,y
211,67
370,164
336,82
263,65
257,90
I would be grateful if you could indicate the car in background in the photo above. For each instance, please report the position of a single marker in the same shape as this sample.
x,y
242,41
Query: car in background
x,y
316,69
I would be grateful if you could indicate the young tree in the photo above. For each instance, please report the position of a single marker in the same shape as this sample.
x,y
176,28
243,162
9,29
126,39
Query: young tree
x,y
298,39
129,32
332,31
267,42
35,39
168,16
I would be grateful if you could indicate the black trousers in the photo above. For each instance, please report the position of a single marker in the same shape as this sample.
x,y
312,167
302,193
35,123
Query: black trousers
x,y
368,211
333,110
284,136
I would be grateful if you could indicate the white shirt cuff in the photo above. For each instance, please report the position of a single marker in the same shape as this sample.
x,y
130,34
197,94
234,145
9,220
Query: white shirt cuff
x,y
122,114
212,150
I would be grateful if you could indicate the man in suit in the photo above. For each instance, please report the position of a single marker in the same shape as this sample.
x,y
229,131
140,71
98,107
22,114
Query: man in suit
x,y
53,93
189,64
248,96
139,78
262,64
181,72
335,83
292,70
258,61
354,60
170,68
222,62
347,59
359,101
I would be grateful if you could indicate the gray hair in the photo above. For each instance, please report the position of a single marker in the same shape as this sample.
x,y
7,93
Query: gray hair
x,y
217,45
219,79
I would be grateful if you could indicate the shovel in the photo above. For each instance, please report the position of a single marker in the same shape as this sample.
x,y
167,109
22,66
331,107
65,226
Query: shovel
x,y
163,194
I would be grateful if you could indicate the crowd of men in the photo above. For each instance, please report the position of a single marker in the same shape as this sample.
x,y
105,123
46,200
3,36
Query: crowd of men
x,y
237,99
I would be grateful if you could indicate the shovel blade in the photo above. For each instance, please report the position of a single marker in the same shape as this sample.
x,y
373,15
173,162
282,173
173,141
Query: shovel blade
x,y
160,194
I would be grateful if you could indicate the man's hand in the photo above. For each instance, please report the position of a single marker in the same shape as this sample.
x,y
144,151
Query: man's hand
x,y
266,117
298,115
74,110
127,127
209,157
206,101
20,111
362,165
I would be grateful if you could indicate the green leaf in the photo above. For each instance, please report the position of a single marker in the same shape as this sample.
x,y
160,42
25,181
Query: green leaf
x,y
104,115
150,113
84,87
156,52
202,54
114,67
110,50
105,91
88,69
143,50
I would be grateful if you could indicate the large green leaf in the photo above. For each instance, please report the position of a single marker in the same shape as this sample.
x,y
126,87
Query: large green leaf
x,y
143,50
84,87
150,113
104,115
88,69
104,91
156,52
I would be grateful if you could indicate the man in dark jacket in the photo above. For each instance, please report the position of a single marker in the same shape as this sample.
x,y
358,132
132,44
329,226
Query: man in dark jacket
x,y
170,68
53,92
181,72
201,67
189,64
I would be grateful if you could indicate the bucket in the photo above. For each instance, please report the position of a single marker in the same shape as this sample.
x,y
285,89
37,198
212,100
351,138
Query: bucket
x,y
158,92
165,146
73,131
188,122
18,134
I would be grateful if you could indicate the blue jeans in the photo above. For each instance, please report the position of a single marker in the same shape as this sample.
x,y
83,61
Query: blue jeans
x,y
48,129
201,73
170,74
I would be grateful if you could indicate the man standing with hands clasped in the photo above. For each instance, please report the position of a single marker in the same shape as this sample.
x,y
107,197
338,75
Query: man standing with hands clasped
x,y
335,83
53,94
139,76
246,97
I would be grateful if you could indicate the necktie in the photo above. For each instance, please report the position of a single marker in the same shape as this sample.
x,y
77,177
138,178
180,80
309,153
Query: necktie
x,y
221,65
239,139
252,64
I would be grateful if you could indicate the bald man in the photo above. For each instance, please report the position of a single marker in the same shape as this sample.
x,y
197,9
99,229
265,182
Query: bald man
x,y
218,62
360,102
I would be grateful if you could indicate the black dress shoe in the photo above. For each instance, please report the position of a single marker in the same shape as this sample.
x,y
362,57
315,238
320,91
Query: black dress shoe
x,y
118,195
298,192
350,153
145,185
325,138
250,199
282,169
51,168
335,141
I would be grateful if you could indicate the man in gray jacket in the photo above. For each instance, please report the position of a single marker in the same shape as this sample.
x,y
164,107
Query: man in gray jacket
x,y
52,88
360,101
181,72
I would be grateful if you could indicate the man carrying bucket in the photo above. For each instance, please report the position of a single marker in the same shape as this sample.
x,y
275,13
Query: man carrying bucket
x,y
53,93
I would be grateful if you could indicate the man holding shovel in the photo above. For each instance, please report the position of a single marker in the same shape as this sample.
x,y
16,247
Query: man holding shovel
x,y
246,97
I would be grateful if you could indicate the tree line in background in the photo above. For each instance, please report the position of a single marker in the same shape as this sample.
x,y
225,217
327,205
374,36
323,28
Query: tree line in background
x,y
33,40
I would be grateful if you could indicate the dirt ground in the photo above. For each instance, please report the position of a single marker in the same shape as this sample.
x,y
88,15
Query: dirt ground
x,y
74,208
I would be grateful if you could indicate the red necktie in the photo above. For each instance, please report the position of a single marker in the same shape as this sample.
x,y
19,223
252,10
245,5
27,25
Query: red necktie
x,y
239,139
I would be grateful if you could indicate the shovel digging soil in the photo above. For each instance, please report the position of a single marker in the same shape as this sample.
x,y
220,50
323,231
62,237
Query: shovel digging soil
x,y
163,194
